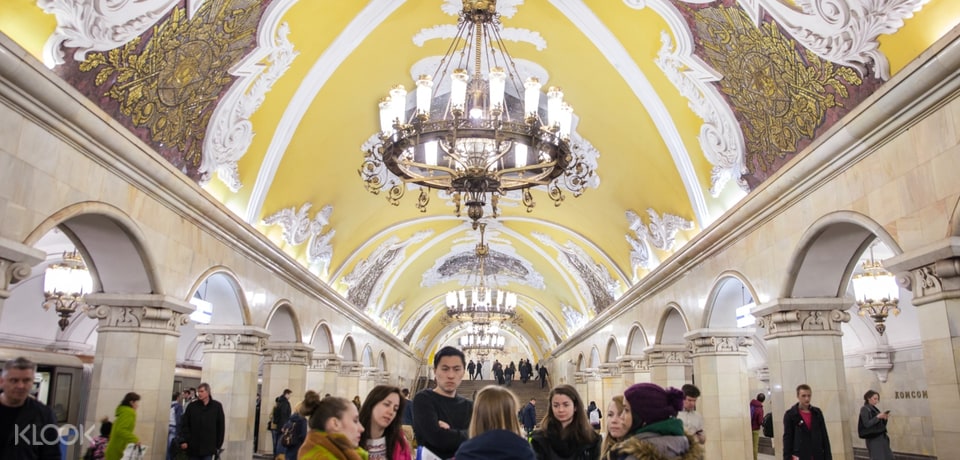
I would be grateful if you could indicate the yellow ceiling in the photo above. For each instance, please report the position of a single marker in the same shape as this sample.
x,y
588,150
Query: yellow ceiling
x,y
636,169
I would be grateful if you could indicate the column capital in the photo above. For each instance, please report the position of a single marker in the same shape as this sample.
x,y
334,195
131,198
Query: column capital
x,y
791,317
233,338
631,364
719,342
880,361
16,263
327,362
149,313
762,374
668,355
608,370
932,272
290,353
350,368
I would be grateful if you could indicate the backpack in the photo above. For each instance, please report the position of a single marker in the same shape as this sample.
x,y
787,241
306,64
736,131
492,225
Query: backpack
x,y
768,425
289,432
595,417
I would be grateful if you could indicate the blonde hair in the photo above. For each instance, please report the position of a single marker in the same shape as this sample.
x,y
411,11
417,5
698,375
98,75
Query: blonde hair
x,y
495,408
608,440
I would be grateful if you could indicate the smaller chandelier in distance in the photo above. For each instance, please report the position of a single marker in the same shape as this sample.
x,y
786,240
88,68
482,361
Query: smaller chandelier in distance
x,y
64,285
485,137
474,342
481,304
877,293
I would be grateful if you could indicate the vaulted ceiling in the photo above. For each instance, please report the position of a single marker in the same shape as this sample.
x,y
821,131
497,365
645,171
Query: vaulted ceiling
x,y
685,106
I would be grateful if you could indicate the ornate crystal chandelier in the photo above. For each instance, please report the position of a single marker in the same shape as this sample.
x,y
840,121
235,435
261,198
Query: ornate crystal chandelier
x,y
481,341
486,136
481,304
64,284
877,292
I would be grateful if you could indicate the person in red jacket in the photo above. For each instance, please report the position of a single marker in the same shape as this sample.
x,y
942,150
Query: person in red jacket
x,y
756,421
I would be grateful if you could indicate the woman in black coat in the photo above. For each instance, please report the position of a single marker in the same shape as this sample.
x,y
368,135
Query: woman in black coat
x,y
872,427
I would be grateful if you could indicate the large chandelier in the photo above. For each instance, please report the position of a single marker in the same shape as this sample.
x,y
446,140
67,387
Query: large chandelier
x,y
877,292
481,304
487,136
64,285
476,342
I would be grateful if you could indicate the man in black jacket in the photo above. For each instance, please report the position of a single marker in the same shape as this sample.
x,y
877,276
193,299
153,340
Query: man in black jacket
x,y
804,430
279,416
441,417
202,426
28,428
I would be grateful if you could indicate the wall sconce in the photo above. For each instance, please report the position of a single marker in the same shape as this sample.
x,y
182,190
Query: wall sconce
x,y
64,285
877,292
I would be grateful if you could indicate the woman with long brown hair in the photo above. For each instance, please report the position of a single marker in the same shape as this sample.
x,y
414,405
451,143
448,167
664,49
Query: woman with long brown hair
x,y
334,432
382,431
495,432
565,432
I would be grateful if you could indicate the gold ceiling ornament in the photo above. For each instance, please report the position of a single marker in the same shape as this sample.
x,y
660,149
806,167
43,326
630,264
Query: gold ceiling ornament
x,y
484,137
482,305
64,285
877,292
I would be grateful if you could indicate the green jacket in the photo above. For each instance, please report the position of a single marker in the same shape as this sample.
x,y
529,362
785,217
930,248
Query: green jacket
x,y
122,433
321,445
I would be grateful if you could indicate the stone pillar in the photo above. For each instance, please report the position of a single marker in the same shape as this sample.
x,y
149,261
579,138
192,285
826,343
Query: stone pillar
x,y
594,384
669,365
284,367
348,382
231,361
804,346
322,373
719,363
369,378
612,383
933,274
635,369
16,262
136,351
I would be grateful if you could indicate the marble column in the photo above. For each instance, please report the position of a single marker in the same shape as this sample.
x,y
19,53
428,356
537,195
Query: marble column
x,y
348,382
635,369
670,365
720,365
804,346
369,378
137,339
322,373
284,367
231,362
933,274
612,384
16,262
594,384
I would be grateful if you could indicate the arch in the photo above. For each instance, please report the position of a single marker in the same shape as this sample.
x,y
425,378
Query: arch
x,y
673,324
636,340
613,351
954,229
730,291
111,244
321,339
579,366
220,286
595,358
348,350
382,361
283,324
827,254
366,356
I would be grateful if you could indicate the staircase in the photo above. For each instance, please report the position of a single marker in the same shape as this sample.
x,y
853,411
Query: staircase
x,y
523,391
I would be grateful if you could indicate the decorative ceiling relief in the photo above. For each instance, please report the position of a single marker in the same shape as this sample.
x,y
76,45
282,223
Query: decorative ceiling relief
x,y
595,283
460,265
230,131
662,231
720,136
388,318
575,320
101,25
298,227
412,324
365,282
552,325
782,94
163,85
842,32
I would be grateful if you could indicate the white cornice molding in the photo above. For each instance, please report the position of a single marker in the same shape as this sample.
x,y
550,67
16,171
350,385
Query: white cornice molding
x,y
369,19
230,132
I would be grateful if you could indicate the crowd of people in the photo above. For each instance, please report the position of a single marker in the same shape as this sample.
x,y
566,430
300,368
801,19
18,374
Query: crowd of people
x,y
646,422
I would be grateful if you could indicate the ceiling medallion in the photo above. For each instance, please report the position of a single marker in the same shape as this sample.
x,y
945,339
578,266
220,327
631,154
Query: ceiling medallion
x,y
484,137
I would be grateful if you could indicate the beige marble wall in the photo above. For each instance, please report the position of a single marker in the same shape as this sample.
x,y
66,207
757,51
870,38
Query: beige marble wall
x,y
284,367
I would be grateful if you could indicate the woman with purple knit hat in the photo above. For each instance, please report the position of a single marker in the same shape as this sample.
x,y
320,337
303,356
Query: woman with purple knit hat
x,y
655,431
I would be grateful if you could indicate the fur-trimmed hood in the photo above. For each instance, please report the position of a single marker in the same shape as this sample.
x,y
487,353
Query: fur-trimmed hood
x,y
653,446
